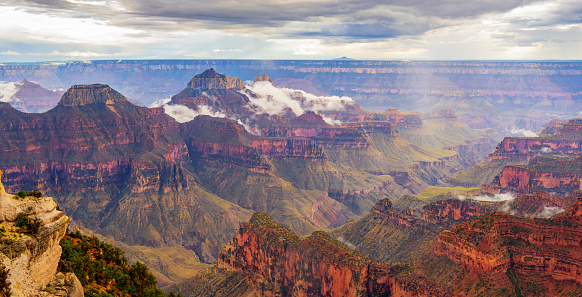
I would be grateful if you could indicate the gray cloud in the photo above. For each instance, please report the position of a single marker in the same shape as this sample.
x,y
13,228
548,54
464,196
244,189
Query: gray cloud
x,y
449,29
335,18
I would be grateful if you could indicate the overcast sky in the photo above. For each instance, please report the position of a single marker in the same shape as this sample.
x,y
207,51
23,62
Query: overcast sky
x,y
46,30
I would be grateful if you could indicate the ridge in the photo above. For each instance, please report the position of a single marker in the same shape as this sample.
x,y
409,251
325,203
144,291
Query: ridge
x,y
80,95
210,79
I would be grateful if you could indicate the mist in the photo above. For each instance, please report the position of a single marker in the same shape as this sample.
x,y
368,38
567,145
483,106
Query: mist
x,y
272,100
523,132
183,114
7,91
494,198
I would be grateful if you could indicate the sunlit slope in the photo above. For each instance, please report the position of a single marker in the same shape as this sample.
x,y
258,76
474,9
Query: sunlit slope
x,y
441,134
483,173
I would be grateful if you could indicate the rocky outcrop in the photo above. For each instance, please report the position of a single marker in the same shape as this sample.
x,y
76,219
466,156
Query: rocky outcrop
x,y
277,263
568,141
449,212
552,175
389,234
91,94
397,118
31,97
217,92
440,114
210,79
31,256
116,168
290,147
553,127
263,77
510,252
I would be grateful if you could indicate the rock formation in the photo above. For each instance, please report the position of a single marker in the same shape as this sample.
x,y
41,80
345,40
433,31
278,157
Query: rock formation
x,y
277,263
389,234
31,97
31,256
529,257
560,175
521,151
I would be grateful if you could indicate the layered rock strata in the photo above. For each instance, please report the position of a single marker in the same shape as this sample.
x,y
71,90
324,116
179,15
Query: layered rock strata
x,y
277,263
32,258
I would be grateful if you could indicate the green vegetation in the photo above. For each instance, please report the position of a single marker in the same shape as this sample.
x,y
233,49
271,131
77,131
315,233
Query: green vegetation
x,y
213,281
266,222
432,191
322,242
571,165
34,193
33,225
515,281
103,270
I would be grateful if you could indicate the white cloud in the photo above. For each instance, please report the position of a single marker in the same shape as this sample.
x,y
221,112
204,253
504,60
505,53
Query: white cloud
x,y
7,91
37,25
183,114
10,53
273,100
549,211
485,198
218,50
315,29
160,103
546,150
523,132
81,54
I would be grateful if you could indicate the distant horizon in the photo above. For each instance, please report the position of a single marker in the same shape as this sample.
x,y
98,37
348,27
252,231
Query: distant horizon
x,y
306,60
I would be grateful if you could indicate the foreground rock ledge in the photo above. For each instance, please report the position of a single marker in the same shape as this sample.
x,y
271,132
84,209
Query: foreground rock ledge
x,y
32,259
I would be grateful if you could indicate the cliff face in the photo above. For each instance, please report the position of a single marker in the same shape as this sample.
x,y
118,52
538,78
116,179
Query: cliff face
x,y
32,256
567,141
389,234
277,263
508,253
397,118
119,169
519,151
31,97
216,91
449,212
548,174
210,79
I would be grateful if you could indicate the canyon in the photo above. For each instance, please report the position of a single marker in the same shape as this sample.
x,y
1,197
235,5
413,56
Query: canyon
x,y
246,171
137,175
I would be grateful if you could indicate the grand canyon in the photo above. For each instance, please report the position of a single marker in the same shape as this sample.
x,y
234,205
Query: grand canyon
x,y
297,178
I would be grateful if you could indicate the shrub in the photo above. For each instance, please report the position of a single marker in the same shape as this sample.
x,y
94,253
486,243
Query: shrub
x,y
21,220
22,194
32,224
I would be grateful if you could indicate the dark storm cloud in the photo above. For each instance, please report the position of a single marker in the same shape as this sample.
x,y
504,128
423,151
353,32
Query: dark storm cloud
x,y
273,12
338,18
368,19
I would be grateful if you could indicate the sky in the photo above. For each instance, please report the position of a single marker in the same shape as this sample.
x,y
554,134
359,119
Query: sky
x,y
49,30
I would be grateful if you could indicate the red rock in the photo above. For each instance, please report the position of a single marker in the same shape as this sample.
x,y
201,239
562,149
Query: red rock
x,y
277,263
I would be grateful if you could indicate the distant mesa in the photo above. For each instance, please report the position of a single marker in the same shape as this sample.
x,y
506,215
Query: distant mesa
x,y
263,77
91,94
210,79
344,58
